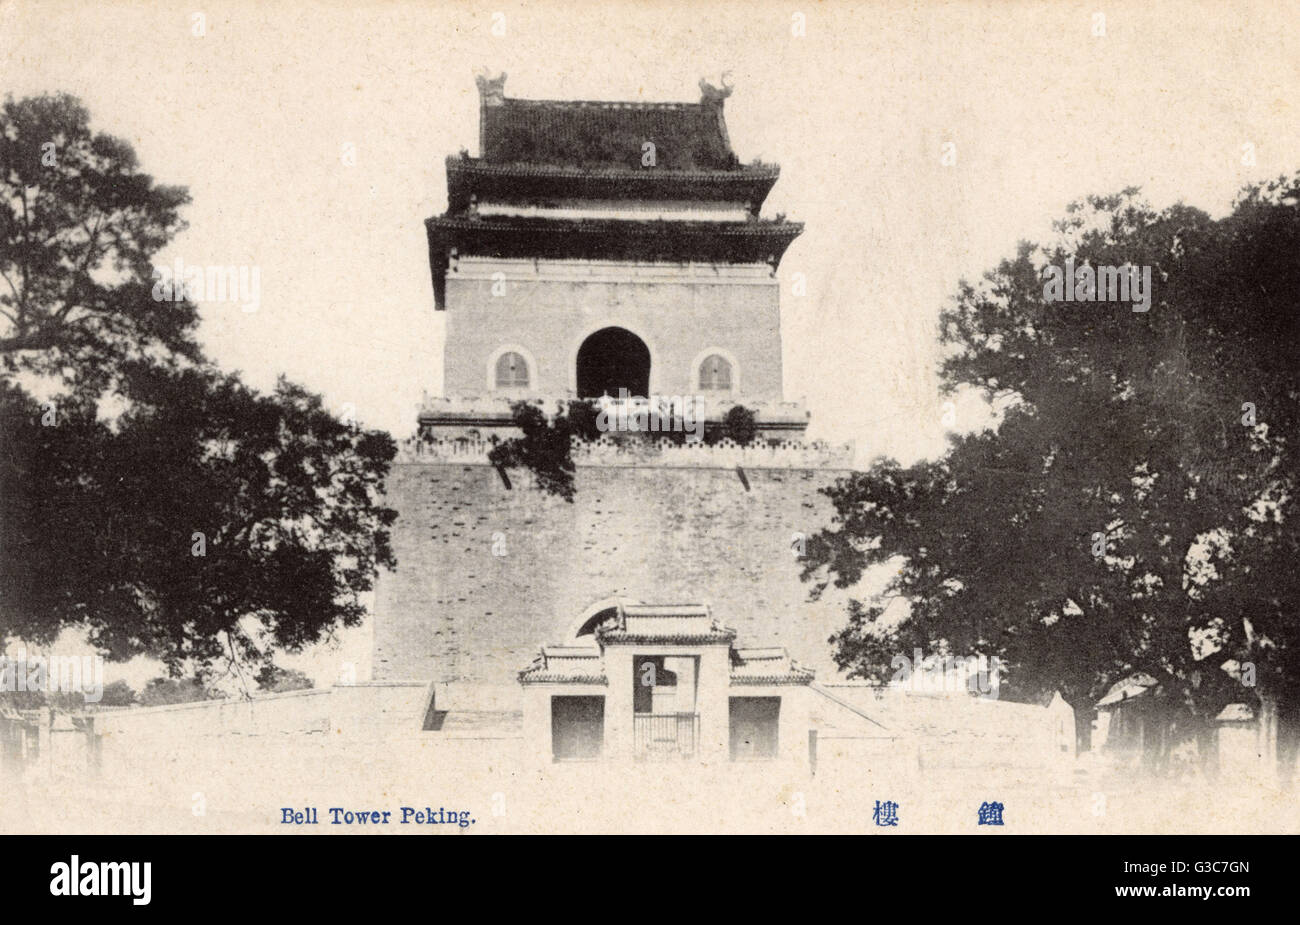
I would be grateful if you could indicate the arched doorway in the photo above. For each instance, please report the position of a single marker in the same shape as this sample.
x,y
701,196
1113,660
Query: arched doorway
x,y
613,359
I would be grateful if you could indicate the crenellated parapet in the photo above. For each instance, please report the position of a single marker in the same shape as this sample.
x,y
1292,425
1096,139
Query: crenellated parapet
x,y
608,451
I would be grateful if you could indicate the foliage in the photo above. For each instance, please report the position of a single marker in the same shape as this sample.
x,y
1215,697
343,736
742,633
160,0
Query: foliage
x,y
740,425
117,694
146,497
77,242
544,445
273,679
163,691
1170,433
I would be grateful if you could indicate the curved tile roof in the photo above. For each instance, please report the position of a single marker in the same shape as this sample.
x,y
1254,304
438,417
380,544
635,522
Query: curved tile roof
x,y
686,136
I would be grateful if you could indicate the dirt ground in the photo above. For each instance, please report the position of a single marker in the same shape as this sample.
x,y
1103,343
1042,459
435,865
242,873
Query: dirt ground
x,y
248,786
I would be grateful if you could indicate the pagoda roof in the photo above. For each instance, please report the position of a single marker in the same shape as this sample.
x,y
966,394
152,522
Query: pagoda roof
x,y
543,152
529,182
595,133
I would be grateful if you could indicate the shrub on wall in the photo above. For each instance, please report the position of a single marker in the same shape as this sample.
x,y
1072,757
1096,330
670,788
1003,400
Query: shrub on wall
x,y
740,425
545,445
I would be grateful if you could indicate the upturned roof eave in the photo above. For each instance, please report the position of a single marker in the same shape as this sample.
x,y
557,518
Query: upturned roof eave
x,y
530,182
451,221
743,173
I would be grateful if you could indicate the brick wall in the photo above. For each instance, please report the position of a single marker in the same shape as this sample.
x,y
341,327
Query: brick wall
x,y
456,613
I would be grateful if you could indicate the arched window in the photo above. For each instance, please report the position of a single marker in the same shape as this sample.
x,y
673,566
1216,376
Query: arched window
x,y
512,371
715,374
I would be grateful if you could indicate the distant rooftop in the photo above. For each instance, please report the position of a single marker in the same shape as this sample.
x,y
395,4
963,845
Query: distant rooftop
x,y
562,133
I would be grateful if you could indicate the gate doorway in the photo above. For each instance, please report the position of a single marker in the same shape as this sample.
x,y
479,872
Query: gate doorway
x,y
577,728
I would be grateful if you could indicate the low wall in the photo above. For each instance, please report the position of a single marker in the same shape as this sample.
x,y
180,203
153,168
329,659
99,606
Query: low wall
x,y
394,724
375,707
293,711
868,727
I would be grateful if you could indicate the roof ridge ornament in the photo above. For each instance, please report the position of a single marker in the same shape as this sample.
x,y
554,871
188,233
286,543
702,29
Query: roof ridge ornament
x,y
712,94
491,90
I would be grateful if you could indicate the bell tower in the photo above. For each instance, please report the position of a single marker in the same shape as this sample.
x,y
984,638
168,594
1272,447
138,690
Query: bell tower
x,y
592,249
596,247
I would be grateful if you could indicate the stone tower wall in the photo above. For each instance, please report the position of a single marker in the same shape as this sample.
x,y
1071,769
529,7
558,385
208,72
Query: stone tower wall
x,y
456,613
549,308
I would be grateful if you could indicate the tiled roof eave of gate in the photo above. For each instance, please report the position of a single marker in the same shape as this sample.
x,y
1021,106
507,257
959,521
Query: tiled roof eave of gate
x,y
535,676
618,637
772,680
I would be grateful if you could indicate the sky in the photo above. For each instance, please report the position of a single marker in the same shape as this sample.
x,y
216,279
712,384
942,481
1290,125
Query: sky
x,y
256,114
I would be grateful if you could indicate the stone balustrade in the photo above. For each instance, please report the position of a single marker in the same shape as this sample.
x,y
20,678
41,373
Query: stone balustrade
x,y
709,407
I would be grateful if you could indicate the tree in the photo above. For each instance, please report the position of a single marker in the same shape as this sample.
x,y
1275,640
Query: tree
x,y
1131,511
117,694
80,225
163,691
146,497
273,679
